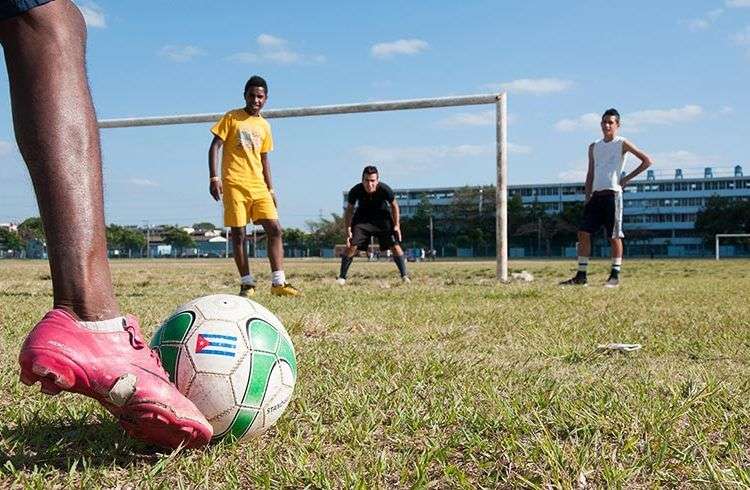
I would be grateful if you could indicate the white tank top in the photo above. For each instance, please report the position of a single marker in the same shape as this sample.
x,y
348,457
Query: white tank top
x,y
608,163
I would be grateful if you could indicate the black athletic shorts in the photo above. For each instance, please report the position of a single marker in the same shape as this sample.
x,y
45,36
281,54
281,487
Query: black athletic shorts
x,y
603,209
11,8
362,232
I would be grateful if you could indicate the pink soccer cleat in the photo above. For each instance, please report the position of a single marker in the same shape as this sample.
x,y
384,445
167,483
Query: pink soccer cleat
x,y
120,371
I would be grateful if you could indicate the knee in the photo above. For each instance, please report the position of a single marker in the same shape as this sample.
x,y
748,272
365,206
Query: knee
x,y
274,230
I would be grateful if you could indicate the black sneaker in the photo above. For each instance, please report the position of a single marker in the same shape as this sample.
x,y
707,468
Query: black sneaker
x,y
578,280
613,281
247,290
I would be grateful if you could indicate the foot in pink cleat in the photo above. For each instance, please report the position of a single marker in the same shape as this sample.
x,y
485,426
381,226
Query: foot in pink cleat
x,y
120,371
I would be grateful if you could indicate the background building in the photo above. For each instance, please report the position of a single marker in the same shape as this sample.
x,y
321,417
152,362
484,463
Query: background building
x,y
659,213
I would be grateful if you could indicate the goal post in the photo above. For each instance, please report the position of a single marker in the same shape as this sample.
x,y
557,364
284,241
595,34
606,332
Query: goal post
x,y
501,143
719,236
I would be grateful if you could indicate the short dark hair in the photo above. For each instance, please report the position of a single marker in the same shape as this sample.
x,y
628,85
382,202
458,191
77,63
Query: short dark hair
x,y
369,170
612,112
256,81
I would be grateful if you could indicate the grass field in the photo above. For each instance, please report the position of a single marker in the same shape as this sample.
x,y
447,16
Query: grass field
x,y
451,382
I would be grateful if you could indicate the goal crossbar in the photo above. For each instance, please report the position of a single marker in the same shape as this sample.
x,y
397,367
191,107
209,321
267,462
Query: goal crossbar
x,y
501,153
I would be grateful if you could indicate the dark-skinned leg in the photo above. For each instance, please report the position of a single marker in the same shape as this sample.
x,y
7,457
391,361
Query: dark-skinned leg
x,y
239,250
105,358
273,231
57,134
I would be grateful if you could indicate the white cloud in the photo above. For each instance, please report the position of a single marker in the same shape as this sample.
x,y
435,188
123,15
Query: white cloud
x,y
180,54
535,86
401,46
516,149
6,148
726,110
411,155
270,41
573,174
483,118
738,3
635,121
666,161
704,22
93,14
587,121
275,50
663,117
139,182
742,38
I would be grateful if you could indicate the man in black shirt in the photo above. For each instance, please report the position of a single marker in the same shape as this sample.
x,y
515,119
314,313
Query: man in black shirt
x,y
377,214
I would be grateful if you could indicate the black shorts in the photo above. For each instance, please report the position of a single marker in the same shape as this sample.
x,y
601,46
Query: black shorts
x,y
362,232
603,209
11,8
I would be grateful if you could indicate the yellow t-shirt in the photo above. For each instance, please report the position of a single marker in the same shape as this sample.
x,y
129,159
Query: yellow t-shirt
x,y
245,138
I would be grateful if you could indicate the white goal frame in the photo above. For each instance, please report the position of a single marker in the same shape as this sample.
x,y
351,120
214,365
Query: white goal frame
x,y
728,235
501,142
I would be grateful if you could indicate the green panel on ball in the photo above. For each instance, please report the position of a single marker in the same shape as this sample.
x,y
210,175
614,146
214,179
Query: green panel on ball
x,y
176,328
286,353
169,355
242,422
156,339
263,335
260,372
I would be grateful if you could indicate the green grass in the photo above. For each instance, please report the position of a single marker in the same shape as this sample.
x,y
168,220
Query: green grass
x,y
452,382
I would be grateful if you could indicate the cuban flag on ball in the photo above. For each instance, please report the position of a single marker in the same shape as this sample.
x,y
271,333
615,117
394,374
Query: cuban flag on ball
x,y
218,345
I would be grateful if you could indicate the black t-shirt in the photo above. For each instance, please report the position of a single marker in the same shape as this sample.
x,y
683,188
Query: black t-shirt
x,y
371,208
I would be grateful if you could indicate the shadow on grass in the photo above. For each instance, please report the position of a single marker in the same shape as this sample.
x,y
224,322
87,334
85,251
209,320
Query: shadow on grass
x,y
49,443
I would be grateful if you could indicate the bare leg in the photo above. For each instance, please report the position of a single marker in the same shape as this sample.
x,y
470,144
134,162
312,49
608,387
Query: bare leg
x,y
584,244
238,248
57,134
616,244
273,231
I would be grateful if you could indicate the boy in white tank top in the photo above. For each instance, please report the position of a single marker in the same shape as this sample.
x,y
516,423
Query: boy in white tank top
x,y
604,196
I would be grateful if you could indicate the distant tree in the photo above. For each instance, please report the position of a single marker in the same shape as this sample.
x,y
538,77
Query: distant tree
x,y
31,228
326,232
416,229
125,239
11,240
294,237
204,226
722,215
177,238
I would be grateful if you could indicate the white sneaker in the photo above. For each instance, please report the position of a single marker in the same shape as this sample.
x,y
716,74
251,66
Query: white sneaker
x,y
340,281
406,280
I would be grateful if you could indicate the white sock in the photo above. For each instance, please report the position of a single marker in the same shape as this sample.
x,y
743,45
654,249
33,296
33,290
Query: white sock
x,y
583,263
617,264
112,325
248,280
278,278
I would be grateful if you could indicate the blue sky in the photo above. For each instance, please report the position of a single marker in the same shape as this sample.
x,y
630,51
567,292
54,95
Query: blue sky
x,y
676,70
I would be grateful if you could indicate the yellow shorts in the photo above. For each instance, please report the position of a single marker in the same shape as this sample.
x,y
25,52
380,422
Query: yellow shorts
x,y
242,206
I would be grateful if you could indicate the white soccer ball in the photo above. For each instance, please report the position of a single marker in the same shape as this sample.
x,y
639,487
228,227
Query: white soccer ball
x,y
231,357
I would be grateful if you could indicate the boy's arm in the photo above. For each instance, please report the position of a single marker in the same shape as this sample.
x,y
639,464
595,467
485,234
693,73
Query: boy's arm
x,y
590,173
396,215
215,187
627,146
267,176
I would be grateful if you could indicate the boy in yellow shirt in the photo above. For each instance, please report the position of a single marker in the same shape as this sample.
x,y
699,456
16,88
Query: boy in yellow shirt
x,y
245,184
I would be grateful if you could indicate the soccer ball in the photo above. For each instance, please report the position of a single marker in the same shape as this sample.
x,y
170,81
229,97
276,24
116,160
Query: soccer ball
x,y
233,359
